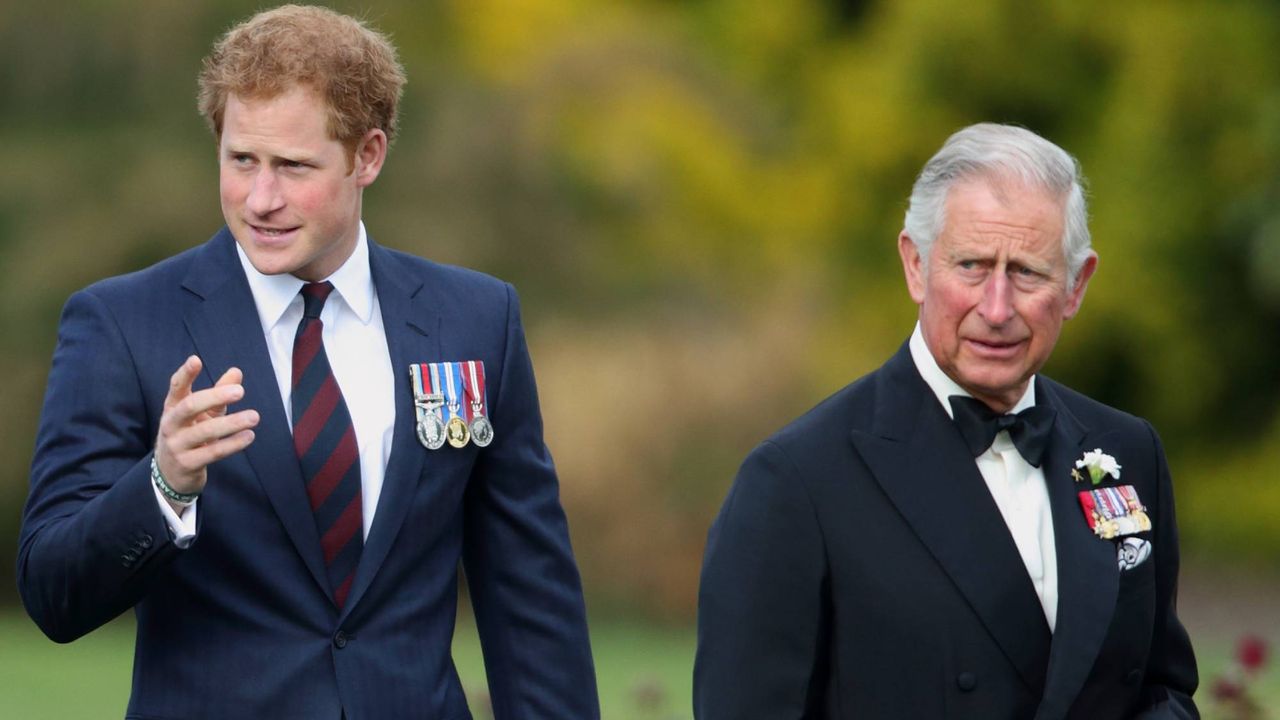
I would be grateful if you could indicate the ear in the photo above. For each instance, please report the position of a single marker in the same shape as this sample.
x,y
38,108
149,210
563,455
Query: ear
x,y
371,152
1076,297
912,266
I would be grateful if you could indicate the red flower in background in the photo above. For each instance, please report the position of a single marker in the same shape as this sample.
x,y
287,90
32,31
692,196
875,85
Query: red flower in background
x,y
1252,653
1230,690
1226,689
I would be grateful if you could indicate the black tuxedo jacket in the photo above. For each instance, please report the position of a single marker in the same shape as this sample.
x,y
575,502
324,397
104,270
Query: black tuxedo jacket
x,y
860,569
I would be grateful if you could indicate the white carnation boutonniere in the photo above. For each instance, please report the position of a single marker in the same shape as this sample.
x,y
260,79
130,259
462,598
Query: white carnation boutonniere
x,y
1098,464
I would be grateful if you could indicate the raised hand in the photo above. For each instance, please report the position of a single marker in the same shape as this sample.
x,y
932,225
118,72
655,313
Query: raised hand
x,y
195,429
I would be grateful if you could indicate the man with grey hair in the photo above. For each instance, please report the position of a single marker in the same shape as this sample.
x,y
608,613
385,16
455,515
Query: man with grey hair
x,y
954,535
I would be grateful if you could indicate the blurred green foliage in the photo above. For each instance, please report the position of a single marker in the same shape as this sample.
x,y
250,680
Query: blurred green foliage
x,y
699,202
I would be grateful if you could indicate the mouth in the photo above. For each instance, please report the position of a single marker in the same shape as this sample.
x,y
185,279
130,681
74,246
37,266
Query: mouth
x,y
269,235
994,349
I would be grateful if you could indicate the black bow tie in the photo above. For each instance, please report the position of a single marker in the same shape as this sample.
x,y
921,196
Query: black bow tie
x,y
979,424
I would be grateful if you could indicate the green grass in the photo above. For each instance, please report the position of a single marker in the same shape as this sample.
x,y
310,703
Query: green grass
x,y
45,681
644,672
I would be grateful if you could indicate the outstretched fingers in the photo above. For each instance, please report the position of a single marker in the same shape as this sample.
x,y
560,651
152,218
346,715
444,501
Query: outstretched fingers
x,y
195,428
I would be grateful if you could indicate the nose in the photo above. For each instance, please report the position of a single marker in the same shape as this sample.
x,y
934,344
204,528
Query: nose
x,y
264,195
996,306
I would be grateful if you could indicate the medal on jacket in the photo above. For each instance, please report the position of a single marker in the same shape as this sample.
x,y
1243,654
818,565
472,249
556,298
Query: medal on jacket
x,y
1114,511
455,426
427,401
481,428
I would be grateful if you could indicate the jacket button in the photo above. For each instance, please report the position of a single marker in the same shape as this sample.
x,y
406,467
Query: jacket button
x,y
1133,677
966,681
340,640
126,560
146,541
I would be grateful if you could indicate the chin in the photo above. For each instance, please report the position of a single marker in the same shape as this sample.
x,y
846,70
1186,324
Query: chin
x,y
268,265
995,384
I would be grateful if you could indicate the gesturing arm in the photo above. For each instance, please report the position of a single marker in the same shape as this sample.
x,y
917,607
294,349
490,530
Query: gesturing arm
x,y
93,535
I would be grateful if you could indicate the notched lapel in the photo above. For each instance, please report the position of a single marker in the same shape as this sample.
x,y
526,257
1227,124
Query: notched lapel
x,y
920,461
1088,576
412,327
218,327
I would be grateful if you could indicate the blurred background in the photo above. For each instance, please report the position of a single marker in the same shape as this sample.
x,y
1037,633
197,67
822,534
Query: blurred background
x,y
698,202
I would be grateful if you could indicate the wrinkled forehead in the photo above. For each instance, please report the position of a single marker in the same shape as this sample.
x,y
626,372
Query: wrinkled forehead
x,y
998,216
1010,188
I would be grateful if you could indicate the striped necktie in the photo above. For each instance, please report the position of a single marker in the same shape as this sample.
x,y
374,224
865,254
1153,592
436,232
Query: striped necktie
x,y
325,442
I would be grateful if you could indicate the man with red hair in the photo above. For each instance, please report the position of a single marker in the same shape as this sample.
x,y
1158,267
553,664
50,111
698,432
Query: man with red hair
x,y
245,443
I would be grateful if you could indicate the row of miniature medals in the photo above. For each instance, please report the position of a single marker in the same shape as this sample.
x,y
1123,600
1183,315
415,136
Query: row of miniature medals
x,y
451,404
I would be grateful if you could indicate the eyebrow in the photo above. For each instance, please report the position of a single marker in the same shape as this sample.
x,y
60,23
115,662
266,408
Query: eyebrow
x,y
298,156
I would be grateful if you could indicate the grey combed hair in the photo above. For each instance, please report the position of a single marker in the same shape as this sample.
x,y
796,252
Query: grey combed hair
x,y
999,152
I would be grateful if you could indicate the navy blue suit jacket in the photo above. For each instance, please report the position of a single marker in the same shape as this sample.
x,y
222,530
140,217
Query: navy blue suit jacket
x,y
861,569
241,624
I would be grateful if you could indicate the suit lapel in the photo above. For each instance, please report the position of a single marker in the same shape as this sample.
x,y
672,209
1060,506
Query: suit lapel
x,y
412,323
1088,577
918,458
227,333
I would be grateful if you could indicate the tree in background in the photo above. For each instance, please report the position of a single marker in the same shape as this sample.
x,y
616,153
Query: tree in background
x,y
699,203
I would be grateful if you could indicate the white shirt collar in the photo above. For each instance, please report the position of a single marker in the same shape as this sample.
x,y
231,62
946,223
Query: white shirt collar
x,y
943,386
353,282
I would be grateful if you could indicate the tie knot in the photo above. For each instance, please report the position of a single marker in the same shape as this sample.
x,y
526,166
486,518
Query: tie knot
x,y
313,297
1006,421
979,424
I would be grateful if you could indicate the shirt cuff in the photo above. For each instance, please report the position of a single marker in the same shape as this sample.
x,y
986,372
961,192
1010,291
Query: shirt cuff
x,y
182,528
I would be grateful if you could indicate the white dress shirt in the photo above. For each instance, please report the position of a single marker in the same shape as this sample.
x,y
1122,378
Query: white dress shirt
x,y
1018,488
356,344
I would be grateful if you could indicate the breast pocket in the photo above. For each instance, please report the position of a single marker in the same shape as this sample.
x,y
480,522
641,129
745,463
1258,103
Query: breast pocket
x,y
1132,624
1135,556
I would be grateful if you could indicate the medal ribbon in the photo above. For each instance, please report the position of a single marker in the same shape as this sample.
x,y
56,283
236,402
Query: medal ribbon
x,y
475,391
1109,500
415,376
1131,498
423,385
433,371
1109,504
419,392
1089,506
1100,502
1112,504
451,393
464,392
